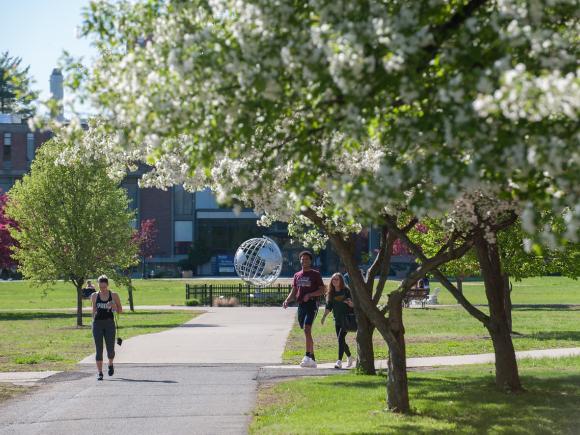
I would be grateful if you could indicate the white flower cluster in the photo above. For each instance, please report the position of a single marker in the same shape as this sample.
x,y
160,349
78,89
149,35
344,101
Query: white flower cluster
x,y
361,105
523,96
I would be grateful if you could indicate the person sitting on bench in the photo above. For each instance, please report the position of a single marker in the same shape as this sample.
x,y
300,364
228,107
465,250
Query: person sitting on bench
x,y
423,284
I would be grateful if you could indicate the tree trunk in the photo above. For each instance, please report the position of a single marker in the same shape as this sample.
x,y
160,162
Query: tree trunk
x,y
496,290
130,291
397,384
397,388
364,344
508,303
459,280
79,304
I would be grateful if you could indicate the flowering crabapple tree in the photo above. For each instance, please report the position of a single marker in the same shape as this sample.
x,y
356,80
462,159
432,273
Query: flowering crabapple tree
x,y
450,97
498,251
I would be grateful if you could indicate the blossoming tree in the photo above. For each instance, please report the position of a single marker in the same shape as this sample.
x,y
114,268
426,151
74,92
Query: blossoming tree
x,y
421,101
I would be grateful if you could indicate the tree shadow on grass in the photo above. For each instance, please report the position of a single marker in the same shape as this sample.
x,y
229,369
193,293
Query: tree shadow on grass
x,y
546,307
39,315
44,315
550,404
365,385
554,335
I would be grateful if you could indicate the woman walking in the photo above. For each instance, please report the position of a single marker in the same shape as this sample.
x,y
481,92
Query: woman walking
x,y
338,300
105,303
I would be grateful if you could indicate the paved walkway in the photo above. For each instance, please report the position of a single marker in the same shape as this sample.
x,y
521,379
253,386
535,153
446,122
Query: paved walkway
x,y
457,360
172,382
222,335
25,378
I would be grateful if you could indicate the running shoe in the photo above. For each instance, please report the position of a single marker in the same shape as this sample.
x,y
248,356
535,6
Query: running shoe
x,y
350,361
308,362
111,370
338,364
100,377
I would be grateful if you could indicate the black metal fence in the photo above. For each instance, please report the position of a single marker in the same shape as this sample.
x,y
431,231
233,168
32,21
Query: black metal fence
x,y
209,294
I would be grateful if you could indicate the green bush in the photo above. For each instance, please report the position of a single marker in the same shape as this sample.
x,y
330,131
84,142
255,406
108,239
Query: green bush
x,y
192,302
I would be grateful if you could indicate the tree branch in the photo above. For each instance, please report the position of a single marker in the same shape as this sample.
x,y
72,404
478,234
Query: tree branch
x,y
417,251
444,31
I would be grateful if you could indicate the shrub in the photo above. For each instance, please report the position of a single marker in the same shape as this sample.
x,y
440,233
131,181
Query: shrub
x,y
192,302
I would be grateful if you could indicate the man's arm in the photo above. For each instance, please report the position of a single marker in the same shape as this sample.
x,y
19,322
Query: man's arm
x,y
290,298
320,292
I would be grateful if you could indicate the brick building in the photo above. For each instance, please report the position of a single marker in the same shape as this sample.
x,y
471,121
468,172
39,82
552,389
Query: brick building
x,y
183,219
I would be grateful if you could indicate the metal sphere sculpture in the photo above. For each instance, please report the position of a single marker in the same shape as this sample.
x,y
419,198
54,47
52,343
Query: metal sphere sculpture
x,y
258,261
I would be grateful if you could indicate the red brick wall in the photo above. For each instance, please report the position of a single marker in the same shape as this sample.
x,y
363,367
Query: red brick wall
x,y
19,151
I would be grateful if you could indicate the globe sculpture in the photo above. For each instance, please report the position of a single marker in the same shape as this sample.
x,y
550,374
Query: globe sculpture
x,y
258,261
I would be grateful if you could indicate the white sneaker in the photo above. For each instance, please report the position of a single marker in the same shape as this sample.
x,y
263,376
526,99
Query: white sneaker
x,y
308,362
350,361
338,364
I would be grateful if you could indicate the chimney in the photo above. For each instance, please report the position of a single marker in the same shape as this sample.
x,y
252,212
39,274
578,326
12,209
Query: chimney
x,y
56,89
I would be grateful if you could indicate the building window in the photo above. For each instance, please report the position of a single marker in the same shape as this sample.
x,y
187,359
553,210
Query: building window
x,y
7,152
132,191
183,201
30,146
183,237
225,236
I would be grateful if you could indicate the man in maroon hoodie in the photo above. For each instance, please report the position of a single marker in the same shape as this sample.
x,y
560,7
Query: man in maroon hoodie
x,y
306,288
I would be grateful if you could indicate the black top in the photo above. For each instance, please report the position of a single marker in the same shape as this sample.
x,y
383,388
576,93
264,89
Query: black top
x,y
103,309
338,306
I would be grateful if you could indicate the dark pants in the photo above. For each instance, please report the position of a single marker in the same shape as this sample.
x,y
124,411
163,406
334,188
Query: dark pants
x,y
342,346
104,329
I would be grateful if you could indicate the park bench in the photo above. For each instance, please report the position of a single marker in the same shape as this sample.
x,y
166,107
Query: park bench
x,y
414,295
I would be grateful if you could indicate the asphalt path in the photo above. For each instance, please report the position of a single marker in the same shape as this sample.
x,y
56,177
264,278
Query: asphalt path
x,y
200,378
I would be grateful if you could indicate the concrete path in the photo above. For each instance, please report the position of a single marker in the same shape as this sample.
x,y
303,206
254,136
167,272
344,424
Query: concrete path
x,y
172,382
457,360
25,378
139,400
221,335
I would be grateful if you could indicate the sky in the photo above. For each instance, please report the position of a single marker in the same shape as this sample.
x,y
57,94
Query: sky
x,y
38,31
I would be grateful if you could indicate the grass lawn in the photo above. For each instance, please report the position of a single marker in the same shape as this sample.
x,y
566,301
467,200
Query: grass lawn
x,y
35,341
459,400
452,331
539,290
22,294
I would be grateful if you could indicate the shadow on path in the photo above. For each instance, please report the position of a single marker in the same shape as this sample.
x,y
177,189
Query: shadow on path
x,y
142,380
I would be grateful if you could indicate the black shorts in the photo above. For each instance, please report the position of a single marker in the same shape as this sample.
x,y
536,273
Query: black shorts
x,y
307,312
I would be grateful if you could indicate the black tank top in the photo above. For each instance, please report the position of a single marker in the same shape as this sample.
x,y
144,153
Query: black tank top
x,y
103,312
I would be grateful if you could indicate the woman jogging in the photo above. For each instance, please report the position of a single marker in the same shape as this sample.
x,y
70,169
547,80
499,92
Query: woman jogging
x,y
338,301
105,303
